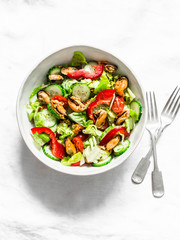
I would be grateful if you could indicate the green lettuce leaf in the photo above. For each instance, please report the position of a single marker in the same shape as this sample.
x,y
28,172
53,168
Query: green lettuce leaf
x,y
67,87
44,118
104,82
92,130
80,118
117,77
90,101
64,130
41,138
129,124
67,161
111,116
54,128
113,80
94,154
30,112
107,75
92,142
78,59
32,108
134,115
94,84
36,90
129,96
87,81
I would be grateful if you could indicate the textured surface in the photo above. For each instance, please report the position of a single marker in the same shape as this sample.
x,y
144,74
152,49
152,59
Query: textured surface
x,y
38,203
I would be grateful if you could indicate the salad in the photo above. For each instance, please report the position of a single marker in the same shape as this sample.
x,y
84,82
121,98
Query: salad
x,y
84,113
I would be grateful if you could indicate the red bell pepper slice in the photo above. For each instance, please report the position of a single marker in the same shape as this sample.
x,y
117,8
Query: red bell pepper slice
x,y
118,104
75,164
83,136
61,99
105,94
98,70
76,74
112,133
96,74
58,149
45,130
94,104
78,144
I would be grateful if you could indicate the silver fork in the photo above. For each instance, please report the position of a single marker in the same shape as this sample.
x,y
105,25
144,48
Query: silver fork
x,y
168,114
152,126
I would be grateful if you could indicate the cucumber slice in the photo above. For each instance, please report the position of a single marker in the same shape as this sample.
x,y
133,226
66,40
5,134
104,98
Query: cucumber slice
x,y
136,106
89,67
103,162
121,147
93,63
56,115
47,151
54,90
82,91
44,118
54,70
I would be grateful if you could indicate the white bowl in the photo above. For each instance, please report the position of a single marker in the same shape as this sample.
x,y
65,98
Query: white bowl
x,y
38,76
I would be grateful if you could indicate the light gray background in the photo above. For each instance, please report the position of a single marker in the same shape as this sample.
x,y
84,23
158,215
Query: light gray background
x,y
37,202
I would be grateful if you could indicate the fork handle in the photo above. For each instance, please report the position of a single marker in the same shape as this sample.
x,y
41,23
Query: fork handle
x,y
143,165
157,184
141,170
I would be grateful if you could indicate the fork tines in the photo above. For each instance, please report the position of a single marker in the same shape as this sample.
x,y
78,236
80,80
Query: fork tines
x,y
152,107
173,103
